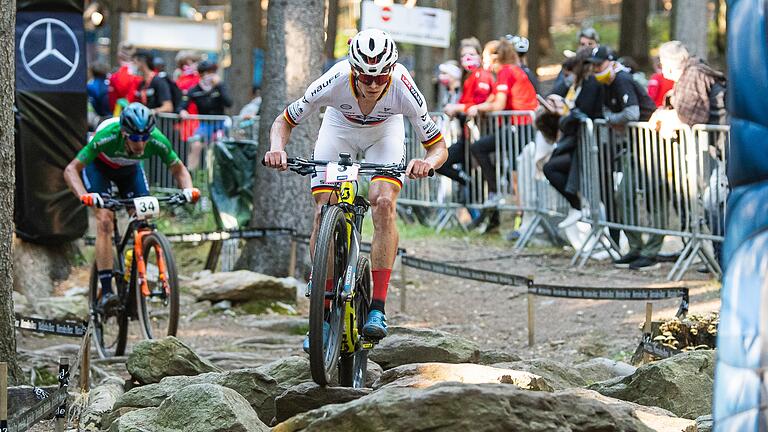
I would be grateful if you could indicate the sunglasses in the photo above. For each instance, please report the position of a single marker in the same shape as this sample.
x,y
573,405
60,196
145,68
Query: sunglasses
x,y
370,79
137,138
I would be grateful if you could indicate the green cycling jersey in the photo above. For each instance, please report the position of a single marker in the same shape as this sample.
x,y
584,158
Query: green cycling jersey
x,y
108,144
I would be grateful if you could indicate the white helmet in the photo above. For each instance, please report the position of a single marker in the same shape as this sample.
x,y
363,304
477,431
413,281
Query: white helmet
x,y
372,52
520,43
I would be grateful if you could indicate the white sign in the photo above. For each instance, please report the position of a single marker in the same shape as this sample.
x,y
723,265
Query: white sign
x,y
147,207
50,50
335,173
171,33
417,25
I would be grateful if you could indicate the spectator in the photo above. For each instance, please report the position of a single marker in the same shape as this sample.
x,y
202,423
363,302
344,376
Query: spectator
x,y
176,94
476,89
521,47
634,69
123,82
153,91
588,38
450,81
98,90
625,101
514,91
658,85
252,108
211,96
186,77
584,99
698,95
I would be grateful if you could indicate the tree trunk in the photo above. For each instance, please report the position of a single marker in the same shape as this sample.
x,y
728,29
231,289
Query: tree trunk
x,y
720,21
539,21
293,60
330,29
7,185
114,9
691,25
168,8
475,18
246,25
633,40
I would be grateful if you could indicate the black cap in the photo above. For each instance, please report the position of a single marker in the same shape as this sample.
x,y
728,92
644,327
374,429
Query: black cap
x,y
601,54
206,66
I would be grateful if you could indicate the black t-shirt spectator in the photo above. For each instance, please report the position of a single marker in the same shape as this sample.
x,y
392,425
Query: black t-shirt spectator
x,y
590,98
211,102
155,94
624,92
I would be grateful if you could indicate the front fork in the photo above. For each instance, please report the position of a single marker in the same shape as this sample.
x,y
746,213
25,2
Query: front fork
x,y
141,266
351,332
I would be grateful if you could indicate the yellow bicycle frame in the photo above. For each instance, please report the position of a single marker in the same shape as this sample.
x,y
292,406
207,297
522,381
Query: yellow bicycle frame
x,y
346,194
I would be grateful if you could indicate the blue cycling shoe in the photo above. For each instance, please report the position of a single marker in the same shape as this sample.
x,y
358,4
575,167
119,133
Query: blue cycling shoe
x,y
376,325
326,331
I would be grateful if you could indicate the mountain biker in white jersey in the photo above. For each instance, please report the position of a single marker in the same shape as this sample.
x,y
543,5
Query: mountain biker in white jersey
x,y
366,97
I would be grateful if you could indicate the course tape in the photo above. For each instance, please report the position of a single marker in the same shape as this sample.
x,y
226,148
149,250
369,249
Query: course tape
x,y
23,421
465,272
60,328
245,233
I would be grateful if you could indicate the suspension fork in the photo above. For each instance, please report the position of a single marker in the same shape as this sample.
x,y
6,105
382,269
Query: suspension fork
x,y
141,266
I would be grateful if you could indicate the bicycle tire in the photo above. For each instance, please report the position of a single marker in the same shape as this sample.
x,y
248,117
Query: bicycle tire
x,y
323,360
151,242
106,349
353,367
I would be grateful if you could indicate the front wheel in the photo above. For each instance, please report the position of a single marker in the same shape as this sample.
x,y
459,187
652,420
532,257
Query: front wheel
x,y
158,310
354,366
110,331
328,268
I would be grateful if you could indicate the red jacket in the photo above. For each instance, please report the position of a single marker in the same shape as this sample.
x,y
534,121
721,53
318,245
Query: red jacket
x,y
520,92
477,87
122,84
658,87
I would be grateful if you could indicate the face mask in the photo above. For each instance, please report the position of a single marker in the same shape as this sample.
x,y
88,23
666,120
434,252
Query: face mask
x,y
445,80
470,61
133,69
606,76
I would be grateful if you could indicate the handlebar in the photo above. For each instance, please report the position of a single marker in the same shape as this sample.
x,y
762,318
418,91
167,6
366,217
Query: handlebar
x,y
307,166
119,203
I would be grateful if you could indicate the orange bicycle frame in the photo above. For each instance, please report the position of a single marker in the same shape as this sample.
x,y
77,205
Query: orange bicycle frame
x,y
141,267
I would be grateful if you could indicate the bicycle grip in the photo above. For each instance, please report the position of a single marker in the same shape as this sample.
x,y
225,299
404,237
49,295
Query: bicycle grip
x,y
431,172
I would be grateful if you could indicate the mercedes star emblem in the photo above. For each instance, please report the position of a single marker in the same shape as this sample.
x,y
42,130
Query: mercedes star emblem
x,y
50,51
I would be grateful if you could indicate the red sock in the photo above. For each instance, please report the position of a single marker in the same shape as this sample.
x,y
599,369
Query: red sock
x,y
380,285
328,288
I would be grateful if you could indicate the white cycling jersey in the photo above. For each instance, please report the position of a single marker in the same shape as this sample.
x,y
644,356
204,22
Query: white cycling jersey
x,y
379,135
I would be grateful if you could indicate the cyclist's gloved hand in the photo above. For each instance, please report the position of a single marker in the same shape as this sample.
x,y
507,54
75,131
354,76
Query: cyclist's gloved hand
x,y
191,194
92,200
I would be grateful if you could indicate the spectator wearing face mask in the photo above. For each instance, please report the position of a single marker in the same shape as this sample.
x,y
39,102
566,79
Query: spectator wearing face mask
x,y
521,45
153,91
626,101
123,82
658,85
449,78
588,38
476,89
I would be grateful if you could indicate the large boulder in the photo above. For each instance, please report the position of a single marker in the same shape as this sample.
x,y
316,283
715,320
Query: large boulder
x,y
422,375
288,371
489,357
258,388
558,375
308,396
656,418
101,400
681,384
704,423
199,407
406,345
372,373
602,369
50,264
62,308
464,407
152,360
20,304
242,286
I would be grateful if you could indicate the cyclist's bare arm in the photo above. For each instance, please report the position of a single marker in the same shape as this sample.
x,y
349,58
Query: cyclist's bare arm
x,y
181,175
72,177
436,156
278,139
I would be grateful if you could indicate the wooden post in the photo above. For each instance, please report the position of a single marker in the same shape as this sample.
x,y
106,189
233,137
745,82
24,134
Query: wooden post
x,y
531,298
403,285
292,259
3,396
85,364
648,318
61,411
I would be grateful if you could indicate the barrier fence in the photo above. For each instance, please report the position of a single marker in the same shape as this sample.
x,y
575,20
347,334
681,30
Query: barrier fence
x,y
632,179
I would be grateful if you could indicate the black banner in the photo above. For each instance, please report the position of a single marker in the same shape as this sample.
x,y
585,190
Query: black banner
x,y
60,328
51,108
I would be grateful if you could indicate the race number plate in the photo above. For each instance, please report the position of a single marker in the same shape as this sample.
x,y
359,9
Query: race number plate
x,y
146,207
335,173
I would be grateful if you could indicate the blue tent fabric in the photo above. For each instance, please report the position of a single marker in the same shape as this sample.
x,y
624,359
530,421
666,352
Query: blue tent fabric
x,y
740,394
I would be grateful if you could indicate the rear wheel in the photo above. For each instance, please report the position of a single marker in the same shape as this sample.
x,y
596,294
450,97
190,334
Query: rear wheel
x,y
329,264
110,331
354,366
158,312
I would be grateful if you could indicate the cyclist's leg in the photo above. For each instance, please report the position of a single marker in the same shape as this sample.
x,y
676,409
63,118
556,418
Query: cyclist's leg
x,y
383,192
96,180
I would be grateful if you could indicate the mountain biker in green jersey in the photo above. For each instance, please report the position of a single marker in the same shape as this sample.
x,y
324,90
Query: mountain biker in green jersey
x,y
114,155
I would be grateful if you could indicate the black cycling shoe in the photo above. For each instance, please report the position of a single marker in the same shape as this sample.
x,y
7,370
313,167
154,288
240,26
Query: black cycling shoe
x,y
108,302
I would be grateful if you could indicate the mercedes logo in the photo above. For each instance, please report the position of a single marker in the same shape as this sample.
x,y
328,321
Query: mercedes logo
x,y
49,66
